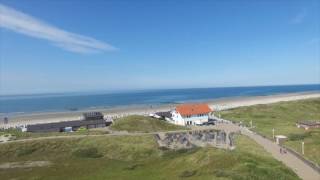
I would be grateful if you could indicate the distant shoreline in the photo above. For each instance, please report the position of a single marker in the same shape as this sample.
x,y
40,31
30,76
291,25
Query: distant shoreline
x,y
213,101
22,105
216,104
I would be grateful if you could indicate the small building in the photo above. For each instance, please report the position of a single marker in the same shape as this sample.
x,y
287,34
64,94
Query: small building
x,y
308,124
190,114
280,139
88,120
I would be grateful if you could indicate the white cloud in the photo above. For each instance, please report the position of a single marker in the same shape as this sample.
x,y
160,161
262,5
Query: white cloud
x,y
299,18
22,23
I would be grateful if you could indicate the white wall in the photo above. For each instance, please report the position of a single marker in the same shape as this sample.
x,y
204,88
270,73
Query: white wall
x,y
179,120
197,119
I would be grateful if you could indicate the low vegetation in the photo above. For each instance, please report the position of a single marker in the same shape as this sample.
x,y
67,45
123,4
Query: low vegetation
x,y
283,117
136,123
87,152
137,157
299,137
18,134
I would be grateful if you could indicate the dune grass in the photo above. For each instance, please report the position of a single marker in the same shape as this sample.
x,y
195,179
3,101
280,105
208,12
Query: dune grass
x,y
283,117
138,157
18,134
136,123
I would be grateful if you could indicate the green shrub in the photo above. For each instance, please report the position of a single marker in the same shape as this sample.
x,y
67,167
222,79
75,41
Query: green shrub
x,y
89,152
226,174
220,173
187,173
82,129
25,151
297,137
163,148
132,166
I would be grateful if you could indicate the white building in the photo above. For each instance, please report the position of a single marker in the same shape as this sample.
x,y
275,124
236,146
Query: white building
x,y
190,114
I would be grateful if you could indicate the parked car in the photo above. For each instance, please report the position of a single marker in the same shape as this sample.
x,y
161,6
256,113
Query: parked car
x,y
208,123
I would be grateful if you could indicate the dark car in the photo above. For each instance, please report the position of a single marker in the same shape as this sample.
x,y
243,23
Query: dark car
x,y
208,123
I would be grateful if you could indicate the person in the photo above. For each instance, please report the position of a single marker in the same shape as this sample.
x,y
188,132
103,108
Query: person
x,y
280,150
6,120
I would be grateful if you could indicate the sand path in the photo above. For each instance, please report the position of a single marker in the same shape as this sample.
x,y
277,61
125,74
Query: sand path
x,y
302,169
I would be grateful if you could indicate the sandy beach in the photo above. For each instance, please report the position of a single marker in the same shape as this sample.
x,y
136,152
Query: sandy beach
x,y
216,105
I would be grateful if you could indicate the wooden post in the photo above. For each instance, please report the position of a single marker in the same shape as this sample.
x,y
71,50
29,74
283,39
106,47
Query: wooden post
x,y
273,133
302,147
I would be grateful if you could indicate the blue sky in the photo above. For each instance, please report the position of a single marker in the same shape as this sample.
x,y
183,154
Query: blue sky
x,y
60,46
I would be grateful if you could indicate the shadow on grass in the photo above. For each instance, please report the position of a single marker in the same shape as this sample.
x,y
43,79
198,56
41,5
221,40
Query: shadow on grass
x,y
89,152
25,151
188,173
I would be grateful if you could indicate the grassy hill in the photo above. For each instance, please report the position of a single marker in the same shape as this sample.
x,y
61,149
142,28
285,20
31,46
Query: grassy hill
x,y
283,117
136,123
138,157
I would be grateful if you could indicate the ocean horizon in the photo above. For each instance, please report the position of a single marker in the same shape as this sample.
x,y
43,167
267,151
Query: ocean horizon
x,y
37,103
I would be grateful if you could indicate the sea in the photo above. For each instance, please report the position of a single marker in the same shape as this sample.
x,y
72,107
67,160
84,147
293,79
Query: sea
x,y
35,103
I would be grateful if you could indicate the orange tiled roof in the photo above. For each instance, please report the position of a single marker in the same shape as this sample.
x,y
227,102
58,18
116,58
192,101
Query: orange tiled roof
x,y
193,109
